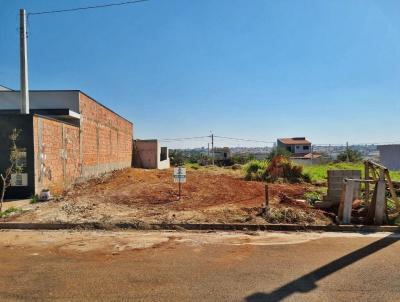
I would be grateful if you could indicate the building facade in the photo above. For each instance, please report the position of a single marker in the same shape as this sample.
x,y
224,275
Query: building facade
x,y
149,154
295,145
390,156
68,136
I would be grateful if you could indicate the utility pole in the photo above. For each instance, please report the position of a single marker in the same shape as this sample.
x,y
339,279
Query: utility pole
x,y
347,152
23,52
212,148
312,154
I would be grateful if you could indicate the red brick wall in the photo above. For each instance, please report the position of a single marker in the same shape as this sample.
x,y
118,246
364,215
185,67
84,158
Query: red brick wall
x,y
64,153
106,138
56,146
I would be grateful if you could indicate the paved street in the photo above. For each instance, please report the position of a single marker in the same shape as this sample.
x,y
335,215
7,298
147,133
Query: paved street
x,y
186,266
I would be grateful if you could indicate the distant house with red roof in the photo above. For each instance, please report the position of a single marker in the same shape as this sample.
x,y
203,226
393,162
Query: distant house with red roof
x,y
295,145
301,150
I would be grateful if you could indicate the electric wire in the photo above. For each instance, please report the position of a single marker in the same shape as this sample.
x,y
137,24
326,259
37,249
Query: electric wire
x,y
244,139
86,7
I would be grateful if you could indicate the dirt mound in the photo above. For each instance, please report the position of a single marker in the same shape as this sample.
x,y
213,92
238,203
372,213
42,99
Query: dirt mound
x,y
152,196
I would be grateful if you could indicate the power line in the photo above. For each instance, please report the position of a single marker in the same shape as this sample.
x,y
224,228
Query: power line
x,y
356,144
183,138
86,7
244,139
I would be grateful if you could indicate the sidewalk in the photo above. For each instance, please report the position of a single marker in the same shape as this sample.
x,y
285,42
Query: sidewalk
x,y
16,203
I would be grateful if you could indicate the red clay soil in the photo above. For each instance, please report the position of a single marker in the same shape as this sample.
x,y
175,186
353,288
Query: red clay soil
x,y
212,195
203,189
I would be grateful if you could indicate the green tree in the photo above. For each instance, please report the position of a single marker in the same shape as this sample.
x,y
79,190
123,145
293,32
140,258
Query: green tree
x,y
275,151
177,157
14,167
349,155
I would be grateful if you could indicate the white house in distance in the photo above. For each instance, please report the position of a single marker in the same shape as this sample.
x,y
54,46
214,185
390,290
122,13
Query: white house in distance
x,y
301,150
295,145
390,156
222,153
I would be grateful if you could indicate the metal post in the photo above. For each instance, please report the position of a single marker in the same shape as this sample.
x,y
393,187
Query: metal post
x,y
179,198
23,63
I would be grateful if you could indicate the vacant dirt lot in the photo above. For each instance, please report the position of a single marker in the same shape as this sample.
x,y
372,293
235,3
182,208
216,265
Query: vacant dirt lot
x,y
210,195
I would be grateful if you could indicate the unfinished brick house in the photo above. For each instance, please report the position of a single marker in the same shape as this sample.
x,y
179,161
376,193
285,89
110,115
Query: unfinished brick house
x,y
67,136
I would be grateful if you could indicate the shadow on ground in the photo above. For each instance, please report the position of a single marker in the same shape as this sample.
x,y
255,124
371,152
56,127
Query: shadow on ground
x,y
307,282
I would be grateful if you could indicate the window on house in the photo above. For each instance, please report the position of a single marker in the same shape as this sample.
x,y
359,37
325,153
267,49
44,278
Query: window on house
x,y
306,147
297,147
289,148
164,153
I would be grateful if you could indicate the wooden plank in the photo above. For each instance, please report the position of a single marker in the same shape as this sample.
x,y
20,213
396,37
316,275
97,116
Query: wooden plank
x,y
392,190
374,174
266,196
366,166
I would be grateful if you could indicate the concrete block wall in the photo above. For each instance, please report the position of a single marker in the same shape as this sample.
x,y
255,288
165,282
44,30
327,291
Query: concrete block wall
x,y
147,155
335,184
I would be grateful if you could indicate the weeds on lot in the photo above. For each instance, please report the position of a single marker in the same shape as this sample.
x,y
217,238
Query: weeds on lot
x,y
194,166
9,211
34,199
319,174
278,169
290,215
312,197
256,170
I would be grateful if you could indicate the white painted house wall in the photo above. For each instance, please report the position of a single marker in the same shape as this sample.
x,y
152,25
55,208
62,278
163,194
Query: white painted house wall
x,y
300,149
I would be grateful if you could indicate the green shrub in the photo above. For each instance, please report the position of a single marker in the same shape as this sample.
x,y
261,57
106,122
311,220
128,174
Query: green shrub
x,y
255,170
312,197
282,168
278,151
349,155
34,199
9,211
194,166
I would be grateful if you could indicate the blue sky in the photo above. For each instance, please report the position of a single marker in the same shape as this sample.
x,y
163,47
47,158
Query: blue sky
x,y
260,69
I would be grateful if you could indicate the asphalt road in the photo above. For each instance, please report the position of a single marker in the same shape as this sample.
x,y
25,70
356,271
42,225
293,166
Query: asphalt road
x,y
183,266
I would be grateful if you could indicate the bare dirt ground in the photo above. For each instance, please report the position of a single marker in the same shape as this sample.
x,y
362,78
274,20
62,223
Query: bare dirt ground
x,y
209,196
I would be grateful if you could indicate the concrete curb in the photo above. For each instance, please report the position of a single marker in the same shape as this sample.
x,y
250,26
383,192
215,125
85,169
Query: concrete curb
x,y
200,227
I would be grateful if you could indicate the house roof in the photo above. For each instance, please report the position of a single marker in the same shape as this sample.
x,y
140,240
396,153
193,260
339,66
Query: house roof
x,y
294,141
45,99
